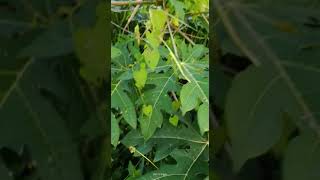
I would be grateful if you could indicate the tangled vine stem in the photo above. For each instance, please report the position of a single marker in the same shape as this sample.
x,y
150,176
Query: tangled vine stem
x,y
127,3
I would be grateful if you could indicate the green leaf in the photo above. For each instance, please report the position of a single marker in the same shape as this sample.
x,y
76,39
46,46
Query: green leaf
x,y
158,19
137,33
280,33
126,46
188,100
151,53
41,128
10,26
133,172
197,6
120,99
159,100
149,124
179,150
178,8
115,52
153,40
251,113
176,105
192,94
151,57
194,69
174,120
203,118
302,158
91,48
56,41
140,76
131,168
115,131
281,44
190,163
147,110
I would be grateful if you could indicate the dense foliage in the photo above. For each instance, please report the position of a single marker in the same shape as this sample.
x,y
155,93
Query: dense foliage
x,y
267,68
160,91
52,90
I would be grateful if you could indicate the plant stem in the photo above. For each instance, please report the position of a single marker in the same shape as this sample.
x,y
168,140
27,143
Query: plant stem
x,y
184,35
127,3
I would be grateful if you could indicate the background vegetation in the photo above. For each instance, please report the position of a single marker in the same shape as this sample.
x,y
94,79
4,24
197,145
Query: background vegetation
x,y
52,92
265,90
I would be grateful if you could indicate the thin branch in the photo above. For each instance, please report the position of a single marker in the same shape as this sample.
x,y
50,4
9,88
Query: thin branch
x,y
172,39
174,96
184,35
128,3
132,15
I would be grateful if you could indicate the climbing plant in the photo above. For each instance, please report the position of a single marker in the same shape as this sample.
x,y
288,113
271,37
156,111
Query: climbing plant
x,y
159,91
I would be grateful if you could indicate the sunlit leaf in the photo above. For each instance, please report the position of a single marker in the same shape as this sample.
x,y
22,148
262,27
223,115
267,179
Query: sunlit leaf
x,y
140,76
90,46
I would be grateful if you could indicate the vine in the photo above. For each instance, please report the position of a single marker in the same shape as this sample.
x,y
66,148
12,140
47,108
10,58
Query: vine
x,y
160,91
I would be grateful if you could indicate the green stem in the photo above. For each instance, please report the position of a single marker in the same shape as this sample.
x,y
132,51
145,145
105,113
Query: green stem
x,y
128,3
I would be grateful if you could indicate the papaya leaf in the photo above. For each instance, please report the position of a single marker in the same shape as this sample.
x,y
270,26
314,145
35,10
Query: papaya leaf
x,y
167,141
54,153
195,69
254,107
159,100
306,166
60,39
280,47
121,100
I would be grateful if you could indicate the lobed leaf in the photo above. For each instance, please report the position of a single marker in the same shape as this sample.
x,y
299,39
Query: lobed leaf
x,y
275,41
159,100
121,100
302,158
24,109
167,141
